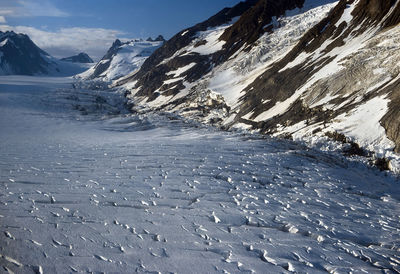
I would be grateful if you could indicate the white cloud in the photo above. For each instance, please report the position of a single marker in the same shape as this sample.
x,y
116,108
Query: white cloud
x,y
69,41
41,8
2,20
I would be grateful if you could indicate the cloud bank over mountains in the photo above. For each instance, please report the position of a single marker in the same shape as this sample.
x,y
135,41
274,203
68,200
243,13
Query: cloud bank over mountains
x,y
69,41
61,42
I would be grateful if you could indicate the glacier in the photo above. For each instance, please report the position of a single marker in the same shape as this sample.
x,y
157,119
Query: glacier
x,y
86,186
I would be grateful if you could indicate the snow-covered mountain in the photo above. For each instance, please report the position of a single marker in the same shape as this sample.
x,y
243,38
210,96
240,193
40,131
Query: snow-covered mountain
x,y
79,58
123,59
20,56
304,69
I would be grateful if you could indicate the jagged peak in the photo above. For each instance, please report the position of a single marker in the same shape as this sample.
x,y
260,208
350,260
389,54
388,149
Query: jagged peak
x,y
159,38
117,43
79,58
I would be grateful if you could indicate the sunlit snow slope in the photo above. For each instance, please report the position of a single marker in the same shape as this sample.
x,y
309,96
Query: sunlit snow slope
x,y
87,187
122,59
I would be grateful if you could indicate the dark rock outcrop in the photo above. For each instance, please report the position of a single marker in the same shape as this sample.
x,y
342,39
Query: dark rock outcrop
x,y
80,58
391,120
255,22
159,38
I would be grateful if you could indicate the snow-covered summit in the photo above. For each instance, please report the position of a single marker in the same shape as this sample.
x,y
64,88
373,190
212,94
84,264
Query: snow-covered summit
x,y
122,59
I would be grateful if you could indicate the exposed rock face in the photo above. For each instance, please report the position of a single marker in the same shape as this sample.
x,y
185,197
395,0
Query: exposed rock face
x,y
152,74
256,21
19,55
328,66
288,68
80,58
159,38
391,120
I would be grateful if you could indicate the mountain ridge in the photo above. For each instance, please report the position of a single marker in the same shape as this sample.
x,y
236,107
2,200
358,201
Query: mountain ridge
x,y
277,80
19,55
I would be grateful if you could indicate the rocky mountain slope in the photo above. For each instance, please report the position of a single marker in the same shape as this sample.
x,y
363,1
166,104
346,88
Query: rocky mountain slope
x,y
343,74
122,59
79,58
20,56
304,69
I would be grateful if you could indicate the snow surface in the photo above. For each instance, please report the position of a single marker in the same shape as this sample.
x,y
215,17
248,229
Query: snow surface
x,y
2,43
130,58
212,42
362,124
179,71
346,16
173,80
87,187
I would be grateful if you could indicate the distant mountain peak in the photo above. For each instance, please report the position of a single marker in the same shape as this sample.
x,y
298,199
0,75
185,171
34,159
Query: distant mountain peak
x,y
117,43
80,58
19,55
123,58
159,38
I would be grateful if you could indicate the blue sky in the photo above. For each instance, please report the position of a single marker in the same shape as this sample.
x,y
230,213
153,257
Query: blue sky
x,y
65,27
